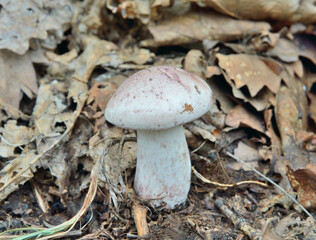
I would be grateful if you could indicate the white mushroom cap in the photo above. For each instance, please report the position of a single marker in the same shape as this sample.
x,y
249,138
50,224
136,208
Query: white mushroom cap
x,y
159,98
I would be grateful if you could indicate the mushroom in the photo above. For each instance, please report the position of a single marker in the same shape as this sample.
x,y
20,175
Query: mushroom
x,y
157,102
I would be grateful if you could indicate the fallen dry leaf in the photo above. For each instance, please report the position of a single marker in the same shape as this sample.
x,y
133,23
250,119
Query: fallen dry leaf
x,y
289,120
285,50
280,10
241,117
17,76
19,164
99,95
303,182
307,46
248,154
95,53
260,102
33,21
195,63
12,137
136,55
250,71
198,26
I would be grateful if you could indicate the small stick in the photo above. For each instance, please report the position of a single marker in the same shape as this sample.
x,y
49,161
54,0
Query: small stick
x,y
139,214
239,222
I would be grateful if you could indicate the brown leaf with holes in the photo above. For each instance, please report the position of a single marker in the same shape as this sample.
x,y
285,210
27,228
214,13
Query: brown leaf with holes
x,y
250,71
33,20
303,182
99,95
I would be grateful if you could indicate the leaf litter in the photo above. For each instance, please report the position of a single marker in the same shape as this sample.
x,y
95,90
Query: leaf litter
x,y
61,62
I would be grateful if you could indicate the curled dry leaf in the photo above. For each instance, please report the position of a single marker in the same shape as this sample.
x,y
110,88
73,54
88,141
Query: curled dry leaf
x,y
280,10
289,120
285,50
132,9
99,95
195,63
23,166
303,182
95,53
292,226
260,102
307,46
17,75
136,55
13,136
198,26
35,18
241,117
90,14
250,71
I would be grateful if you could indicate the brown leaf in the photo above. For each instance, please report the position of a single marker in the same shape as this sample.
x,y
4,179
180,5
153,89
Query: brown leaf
x,y
240,116
198,26
285,50
307,46
33,21
17,75
136,55
289,120
261,101
100,93
94,54
312,106
275,140
280,10
194,62
303,182
250,71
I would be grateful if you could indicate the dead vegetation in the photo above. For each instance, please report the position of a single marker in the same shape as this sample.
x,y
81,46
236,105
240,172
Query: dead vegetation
x,y
67,173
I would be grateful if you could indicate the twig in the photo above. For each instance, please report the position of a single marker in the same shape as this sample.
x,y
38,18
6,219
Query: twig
x,y
273,183
225,185
239,222
139,214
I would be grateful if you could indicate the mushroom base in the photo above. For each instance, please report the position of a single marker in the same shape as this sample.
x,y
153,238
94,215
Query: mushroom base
x,y
163,171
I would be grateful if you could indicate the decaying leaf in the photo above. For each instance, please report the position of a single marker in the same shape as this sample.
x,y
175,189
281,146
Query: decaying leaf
x,y
285,50
22,166
12,137
95,53
280,10
289,119
136,55
241,117
307,47
250,71
198,26
303,182
35,18
195,63
99,95
17,76
293,226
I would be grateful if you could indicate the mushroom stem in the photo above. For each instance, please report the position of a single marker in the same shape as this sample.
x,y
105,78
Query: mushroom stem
x,y
163,170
